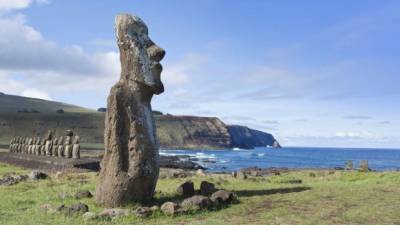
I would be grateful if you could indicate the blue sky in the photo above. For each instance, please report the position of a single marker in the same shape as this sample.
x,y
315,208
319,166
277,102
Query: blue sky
x,y
313,73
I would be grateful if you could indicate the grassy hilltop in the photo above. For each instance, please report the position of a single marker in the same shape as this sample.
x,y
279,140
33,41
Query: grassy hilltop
x,y
323,197
21,116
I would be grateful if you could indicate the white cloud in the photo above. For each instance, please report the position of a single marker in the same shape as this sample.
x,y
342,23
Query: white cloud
x,y
28,60
11,5
34,93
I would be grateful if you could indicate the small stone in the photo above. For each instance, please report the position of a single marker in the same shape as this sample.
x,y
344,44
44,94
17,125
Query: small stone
x,y
196,202
63,195
170,208
186,189
114,213
37,175
155,208
241,175
200,172
207,188
80,207
143,212
223,197
46,207
83,194
90,216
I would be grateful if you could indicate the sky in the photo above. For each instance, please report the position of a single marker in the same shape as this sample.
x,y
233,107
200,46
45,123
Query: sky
x,y
312,73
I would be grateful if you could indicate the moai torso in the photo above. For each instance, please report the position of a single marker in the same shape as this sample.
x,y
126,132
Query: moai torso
x,y
68,147
76,149
60,150
55,147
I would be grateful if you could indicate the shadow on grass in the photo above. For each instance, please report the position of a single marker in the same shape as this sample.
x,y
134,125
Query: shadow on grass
x,y
250,193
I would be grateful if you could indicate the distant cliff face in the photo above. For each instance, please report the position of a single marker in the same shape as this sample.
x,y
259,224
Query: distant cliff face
x,y
192,132
244,137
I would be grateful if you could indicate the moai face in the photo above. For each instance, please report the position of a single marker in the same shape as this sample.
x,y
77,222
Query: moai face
x,y
55,141
134,42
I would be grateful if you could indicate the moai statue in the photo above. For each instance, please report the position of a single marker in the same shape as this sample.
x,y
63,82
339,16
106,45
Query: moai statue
x,y
130,167
60,149
42,147
55,147
25,150
38,146
30,146
68,144
48,144
12,142
76,149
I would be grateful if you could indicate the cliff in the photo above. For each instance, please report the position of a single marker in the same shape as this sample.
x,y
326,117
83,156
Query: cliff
x,y
244,137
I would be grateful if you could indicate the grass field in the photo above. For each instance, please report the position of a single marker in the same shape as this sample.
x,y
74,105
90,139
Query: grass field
x,y
324,197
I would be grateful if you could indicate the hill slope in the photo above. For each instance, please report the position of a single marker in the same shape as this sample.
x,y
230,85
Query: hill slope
x,y
14,104
174,132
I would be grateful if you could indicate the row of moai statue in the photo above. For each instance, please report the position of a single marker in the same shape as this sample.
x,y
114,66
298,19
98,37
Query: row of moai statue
x,y
66,147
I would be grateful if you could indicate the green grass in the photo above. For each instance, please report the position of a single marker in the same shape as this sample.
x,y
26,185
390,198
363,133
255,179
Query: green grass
x,y
329,197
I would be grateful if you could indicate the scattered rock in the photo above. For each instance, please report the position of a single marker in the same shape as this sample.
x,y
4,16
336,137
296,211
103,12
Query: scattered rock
x,y
63,195
155,208
234,174
207,188
143,212
47,207
174,173
73,209
114,213
223,197
170,208
37,175
90,216
8,180
58,175
196,202
83,194
241,175
200,172
186,189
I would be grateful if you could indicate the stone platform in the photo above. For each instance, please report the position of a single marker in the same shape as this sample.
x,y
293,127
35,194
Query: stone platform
x,y
90,161
50,163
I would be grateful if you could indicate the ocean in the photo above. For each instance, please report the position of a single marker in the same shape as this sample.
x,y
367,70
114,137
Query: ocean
x,y
291,157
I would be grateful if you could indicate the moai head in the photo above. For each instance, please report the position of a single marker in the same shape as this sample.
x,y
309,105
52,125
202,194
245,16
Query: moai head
x,y
76,140
69,133
49,135
140,56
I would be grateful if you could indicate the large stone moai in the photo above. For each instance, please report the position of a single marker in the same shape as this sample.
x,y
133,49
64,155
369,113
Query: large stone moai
x,y
76,148
48,145
60,149
68,144
55,147
130,168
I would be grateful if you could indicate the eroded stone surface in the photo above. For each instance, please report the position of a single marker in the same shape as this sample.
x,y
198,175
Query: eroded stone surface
x,y
130,167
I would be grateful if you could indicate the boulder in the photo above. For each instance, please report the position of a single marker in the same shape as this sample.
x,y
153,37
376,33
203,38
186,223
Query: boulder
x,y
83,194
222,197
90,216
143,212
200,172
186,189
170,208
37,175
241,175
207,188
114,213
196,202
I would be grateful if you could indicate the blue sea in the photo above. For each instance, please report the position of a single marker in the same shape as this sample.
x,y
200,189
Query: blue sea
x,y
291,157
